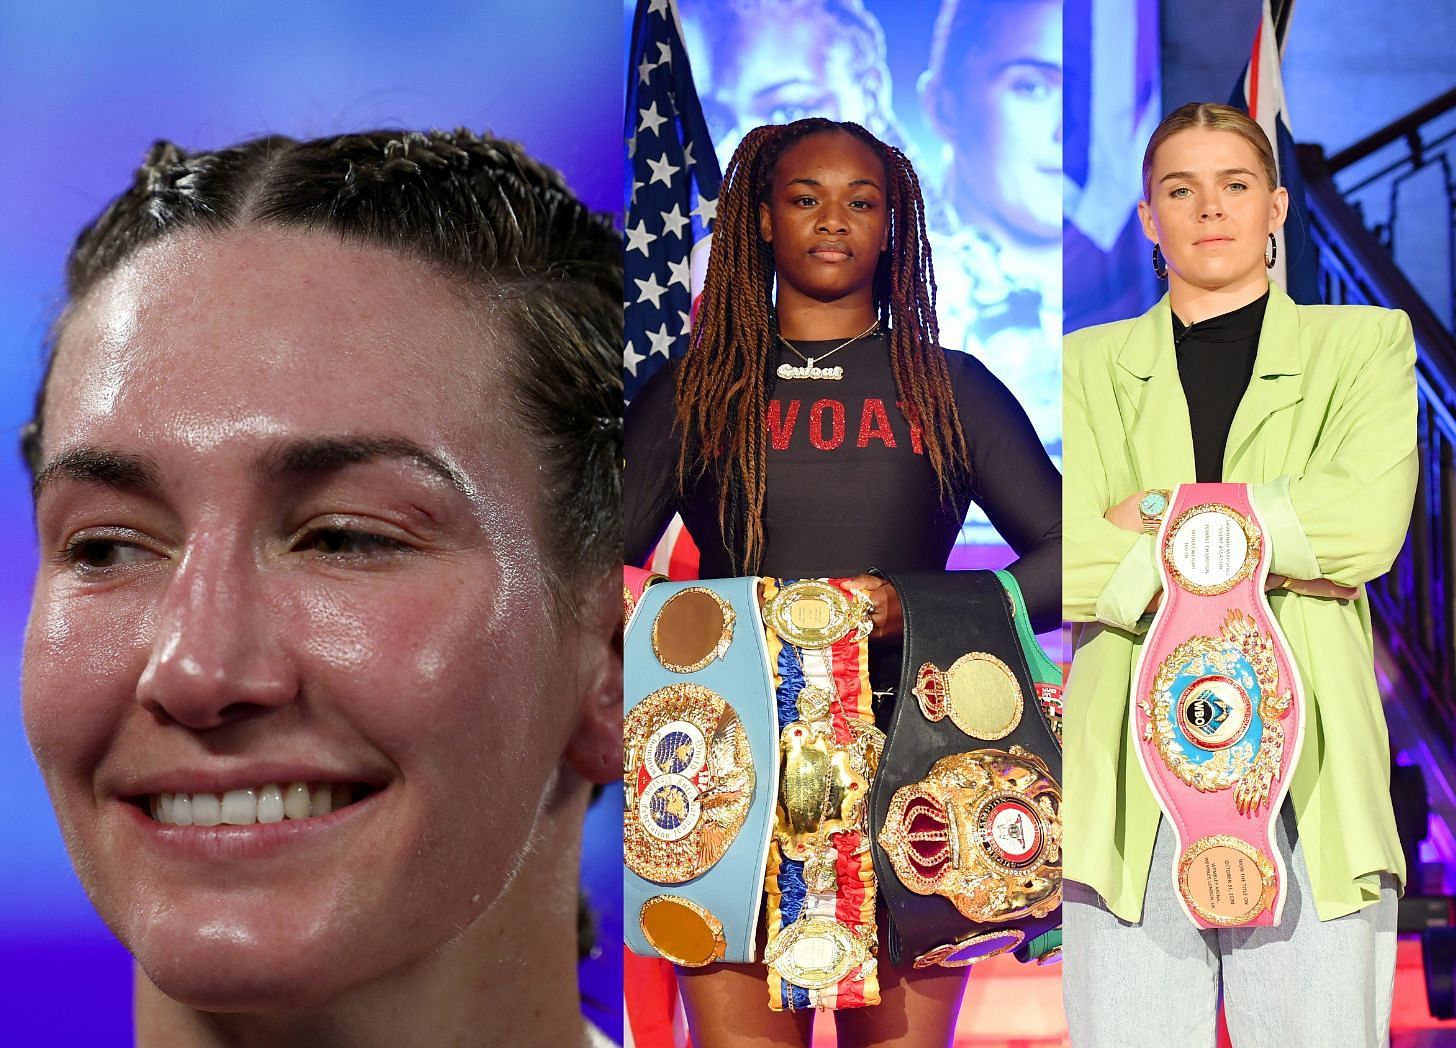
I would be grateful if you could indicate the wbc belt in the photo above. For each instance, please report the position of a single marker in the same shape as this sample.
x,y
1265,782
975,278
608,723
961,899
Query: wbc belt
x,y
820,883
700,769
1217,719
966,809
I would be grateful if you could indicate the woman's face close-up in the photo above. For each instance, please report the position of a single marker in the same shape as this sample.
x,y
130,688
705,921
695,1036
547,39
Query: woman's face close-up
x,y
1001,108
826,217
1210,208
289,666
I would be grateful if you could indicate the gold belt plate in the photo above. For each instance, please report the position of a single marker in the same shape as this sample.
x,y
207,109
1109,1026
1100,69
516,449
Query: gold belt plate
x,y
811,613
979,694
815,952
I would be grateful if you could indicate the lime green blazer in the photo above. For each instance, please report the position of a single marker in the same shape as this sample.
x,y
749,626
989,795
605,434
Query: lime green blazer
x,y
1326,433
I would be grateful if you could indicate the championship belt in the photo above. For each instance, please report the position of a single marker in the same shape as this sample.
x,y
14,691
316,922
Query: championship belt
x,y
966,809
700,769
1217,718
820,882
634,582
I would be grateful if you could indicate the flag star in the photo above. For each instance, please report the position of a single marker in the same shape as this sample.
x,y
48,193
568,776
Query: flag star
x,y
673,221
661,341
639,238
662,170
635,186
632,146
679,273
688,155
687,322
707,210
664,53
657,7
645,69
650,288
651,119
631,358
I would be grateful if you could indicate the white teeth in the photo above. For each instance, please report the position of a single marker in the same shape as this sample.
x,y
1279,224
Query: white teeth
x,y
206,809
295,804
267,804
240,807
270,804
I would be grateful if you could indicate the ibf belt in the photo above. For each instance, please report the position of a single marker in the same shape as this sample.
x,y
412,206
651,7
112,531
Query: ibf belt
x,y
966,810
700,770
820,883
1216,720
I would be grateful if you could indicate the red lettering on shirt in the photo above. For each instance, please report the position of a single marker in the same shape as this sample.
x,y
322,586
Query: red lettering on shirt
x,y
816,424
780,430
915,444
874,424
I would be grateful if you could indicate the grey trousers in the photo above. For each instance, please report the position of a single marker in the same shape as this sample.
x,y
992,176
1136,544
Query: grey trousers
x,y
1304,984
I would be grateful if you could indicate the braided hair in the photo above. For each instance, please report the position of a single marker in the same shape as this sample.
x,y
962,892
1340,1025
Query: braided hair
x,y
725,380
477,209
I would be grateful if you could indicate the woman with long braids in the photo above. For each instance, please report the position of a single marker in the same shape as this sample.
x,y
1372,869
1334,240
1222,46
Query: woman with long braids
x,y
816,428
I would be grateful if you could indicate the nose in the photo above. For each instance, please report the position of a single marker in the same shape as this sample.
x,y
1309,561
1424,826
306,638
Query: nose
x,y
833,220
1211,208
214,658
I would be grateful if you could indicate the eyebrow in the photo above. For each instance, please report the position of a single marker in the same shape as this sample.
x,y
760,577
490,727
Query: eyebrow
x,y
311,458
816,183
320,456
1189,176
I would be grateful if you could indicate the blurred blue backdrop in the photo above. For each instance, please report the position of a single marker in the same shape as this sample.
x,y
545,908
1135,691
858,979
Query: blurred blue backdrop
x,y
84,88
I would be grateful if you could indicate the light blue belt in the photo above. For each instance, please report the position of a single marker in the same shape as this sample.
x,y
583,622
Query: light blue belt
x,y
701,775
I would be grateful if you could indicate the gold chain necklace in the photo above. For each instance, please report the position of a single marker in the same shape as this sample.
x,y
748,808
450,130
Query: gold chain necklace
x,y
811,368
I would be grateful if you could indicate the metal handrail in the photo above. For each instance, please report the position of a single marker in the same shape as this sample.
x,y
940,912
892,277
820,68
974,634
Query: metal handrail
x,y
1415,603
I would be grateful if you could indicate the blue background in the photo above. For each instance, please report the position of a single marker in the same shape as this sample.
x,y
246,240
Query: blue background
x,y
84,88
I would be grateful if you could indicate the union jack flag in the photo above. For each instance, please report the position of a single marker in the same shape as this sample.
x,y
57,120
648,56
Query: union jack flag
x,y
672,194
1260,92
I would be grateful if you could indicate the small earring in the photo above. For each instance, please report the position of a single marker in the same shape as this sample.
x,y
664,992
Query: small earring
x,y
1160,264
1273,255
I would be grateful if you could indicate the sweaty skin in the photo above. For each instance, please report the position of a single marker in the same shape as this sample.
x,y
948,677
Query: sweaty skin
x,y
289,531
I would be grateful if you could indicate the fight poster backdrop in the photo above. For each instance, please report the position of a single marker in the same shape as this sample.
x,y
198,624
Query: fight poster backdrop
x,y
971,90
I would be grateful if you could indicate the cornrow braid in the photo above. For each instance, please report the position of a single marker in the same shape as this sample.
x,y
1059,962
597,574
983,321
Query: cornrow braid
x,y
724,382
480,211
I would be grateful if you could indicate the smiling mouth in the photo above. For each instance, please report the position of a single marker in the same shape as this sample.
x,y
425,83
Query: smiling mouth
x,y
273,802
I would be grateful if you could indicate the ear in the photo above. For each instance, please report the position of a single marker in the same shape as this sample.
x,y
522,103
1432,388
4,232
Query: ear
x,y
594,750
1145,216
1278,209
933,104
765,223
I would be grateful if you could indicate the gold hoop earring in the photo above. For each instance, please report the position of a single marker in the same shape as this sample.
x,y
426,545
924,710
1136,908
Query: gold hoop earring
x,y
1160,264
1273,255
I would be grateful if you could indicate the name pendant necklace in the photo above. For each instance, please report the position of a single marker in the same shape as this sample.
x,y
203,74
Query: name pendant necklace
x,y
811,368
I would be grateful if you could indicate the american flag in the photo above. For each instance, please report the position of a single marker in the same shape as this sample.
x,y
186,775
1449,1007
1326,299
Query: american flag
x,y
673,179
1261,93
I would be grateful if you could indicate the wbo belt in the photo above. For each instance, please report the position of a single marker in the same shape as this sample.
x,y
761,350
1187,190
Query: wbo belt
x,y
966,806
700,767
1217,719
819,883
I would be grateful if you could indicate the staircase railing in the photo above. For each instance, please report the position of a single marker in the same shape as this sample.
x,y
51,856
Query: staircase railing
x,y
1415,604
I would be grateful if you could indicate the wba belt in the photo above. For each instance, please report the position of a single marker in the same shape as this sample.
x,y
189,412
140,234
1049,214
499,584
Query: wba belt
x,y
966,807
1217,719
700,769
820,883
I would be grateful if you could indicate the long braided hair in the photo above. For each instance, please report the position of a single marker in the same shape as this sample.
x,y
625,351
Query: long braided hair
x,y
725,380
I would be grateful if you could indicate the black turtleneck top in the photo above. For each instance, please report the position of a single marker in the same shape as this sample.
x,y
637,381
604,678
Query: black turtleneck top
x,y
1215,364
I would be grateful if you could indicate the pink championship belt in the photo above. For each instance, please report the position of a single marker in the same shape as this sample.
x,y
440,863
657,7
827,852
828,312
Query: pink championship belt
x,y
1217,719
